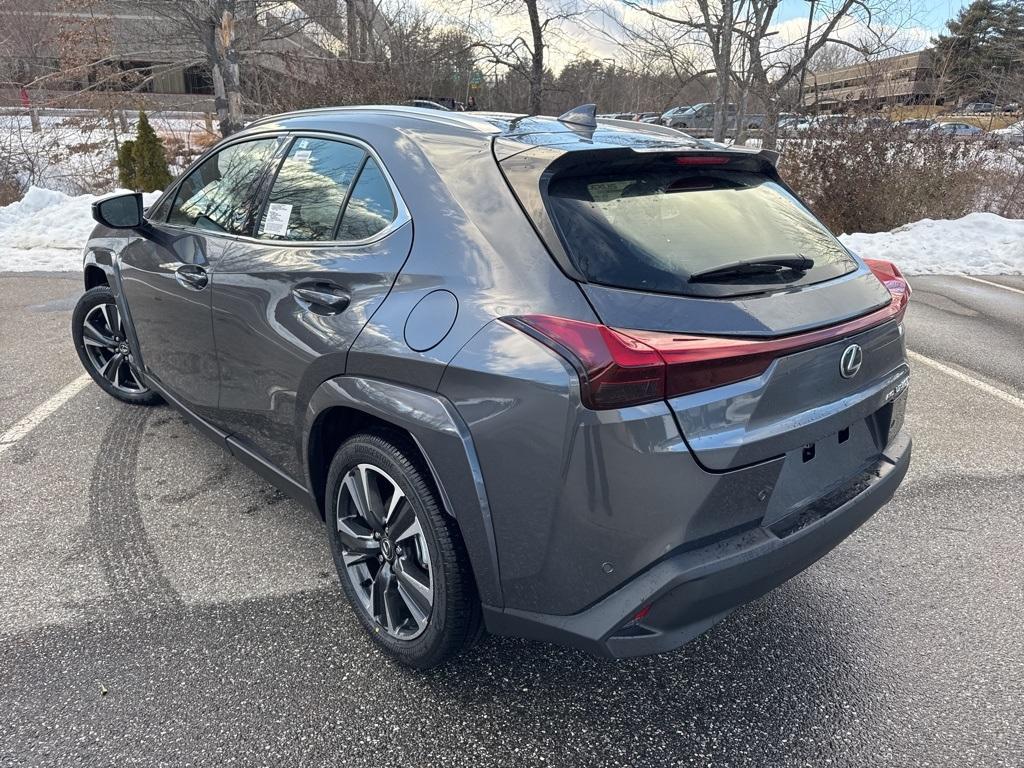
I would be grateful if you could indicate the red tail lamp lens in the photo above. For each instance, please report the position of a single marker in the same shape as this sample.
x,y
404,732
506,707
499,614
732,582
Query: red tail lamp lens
x,y
701,160
892,278
619,367
614,369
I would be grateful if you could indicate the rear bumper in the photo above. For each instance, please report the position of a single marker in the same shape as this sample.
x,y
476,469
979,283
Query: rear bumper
x,y
688,593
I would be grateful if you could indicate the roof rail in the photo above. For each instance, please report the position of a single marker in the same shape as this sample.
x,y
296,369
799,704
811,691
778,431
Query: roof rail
x,y
584,115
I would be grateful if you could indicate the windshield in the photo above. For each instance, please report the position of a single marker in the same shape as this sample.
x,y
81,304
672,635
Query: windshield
x,y
651,230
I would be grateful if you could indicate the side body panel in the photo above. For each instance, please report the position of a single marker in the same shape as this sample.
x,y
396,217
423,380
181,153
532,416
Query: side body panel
x,y
474,243
274,349
172,318
447,444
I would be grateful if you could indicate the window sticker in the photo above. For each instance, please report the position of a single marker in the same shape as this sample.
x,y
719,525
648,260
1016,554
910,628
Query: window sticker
x,y
303,143
303,155
276,222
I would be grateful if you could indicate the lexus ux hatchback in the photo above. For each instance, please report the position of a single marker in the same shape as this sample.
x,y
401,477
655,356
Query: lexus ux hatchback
x,y
587,382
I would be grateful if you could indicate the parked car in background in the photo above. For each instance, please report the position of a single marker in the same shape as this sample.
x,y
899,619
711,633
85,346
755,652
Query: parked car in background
x,y
560,411
914,126
829,123
669,114
1011,134
960,130
790,124
873,123
980,108
647,117
699,120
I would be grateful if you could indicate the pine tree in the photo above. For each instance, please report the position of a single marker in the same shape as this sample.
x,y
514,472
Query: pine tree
x,y
983,46
126,164
149,159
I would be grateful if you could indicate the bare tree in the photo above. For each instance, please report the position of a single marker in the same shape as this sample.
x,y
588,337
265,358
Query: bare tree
x,y
227,32
525,54
775,64
664,53
708,25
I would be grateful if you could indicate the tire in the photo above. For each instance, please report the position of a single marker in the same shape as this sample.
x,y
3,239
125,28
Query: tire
x,y
103,348
386,562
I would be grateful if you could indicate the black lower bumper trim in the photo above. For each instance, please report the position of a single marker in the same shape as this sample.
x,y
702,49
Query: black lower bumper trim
x,y
687,594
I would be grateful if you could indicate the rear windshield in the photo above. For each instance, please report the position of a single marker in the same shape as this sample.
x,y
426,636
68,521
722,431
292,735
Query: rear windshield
x,y
653,229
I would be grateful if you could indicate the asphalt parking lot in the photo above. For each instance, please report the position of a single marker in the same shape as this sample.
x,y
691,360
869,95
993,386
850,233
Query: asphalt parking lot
x,y
161,605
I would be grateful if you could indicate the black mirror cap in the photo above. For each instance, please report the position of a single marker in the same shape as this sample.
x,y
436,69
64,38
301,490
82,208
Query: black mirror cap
x,y
119,211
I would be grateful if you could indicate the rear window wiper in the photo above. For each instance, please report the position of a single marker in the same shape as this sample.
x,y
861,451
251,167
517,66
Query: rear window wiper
x,y
757,266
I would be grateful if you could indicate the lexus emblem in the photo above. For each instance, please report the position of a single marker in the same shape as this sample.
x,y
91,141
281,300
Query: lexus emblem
x,y
850,362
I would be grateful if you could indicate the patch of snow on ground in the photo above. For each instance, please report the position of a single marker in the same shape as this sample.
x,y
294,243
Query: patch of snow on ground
x,y
46,230
977,244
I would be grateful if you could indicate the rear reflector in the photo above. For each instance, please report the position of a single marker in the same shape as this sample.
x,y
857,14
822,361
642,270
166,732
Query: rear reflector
x,y
619,367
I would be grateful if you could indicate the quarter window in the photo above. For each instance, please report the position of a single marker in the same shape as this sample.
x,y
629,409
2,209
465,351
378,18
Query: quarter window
x,y
219,195
371,207
310,190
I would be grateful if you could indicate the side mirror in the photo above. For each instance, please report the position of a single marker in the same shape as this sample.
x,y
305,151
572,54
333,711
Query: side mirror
x,y
119,211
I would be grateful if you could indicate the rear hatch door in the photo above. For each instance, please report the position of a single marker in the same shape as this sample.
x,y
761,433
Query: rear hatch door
x,y
713,243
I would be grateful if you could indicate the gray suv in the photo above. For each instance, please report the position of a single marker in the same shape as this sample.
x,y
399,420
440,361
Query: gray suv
x,y
591,383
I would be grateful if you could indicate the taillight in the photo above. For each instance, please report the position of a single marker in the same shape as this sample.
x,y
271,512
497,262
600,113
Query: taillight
x,y
614,369
619,367
892,278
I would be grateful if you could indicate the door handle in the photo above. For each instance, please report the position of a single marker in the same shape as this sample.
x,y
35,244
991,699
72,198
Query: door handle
x,y
323,299
191,276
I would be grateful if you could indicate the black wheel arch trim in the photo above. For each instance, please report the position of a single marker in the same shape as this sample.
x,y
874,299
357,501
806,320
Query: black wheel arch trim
x,y
446,445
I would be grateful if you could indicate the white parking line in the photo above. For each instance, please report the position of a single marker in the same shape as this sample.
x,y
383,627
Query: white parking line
x,y
989,282
37,416
977,383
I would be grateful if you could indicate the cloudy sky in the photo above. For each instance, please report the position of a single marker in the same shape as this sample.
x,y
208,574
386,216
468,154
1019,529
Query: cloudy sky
x,y
920,20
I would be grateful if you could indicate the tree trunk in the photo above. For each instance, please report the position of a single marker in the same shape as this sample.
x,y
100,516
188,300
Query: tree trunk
x,y
723,74
351,28
233,90
227,88
770,130
741,116
537,59
722,51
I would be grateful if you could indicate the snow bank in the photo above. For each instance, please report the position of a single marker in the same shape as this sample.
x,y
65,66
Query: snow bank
x,y
977,244
46,230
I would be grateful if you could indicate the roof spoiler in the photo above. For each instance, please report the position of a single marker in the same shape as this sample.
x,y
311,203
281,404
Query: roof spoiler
x,y
584,115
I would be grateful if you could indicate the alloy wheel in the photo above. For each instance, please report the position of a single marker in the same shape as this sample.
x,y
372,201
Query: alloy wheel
x,y
108,350
384,551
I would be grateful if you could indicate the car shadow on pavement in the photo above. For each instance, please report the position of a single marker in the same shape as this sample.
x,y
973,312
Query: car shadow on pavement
x,y
296,674
784,669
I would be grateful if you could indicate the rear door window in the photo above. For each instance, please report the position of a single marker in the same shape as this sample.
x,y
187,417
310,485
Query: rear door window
x,y
654,228
219,195
310,191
